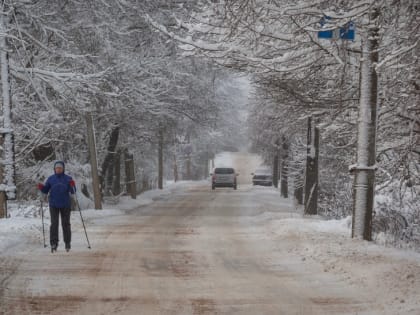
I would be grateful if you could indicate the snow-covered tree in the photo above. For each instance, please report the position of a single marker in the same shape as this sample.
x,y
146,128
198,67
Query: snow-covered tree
x,y
277,43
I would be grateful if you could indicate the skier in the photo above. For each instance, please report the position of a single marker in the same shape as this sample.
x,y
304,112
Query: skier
x,y
60,187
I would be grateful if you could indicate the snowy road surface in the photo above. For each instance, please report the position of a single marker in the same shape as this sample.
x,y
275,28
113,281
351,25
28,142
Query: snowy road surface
x,y
197,251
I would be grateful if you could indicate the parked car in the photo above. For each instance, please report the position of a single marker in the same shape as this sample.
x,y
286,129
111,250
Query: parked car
x,y
262,177
223,177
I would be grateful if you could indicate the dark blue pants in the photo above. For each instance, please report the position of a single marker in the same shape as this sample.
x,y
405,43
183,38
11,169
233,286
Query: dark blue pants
x,y
65,224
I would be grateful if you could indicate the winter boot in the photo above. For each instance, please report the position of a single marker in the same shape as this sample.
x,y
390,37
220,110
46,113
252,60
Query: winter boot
x,y
53,248
68,247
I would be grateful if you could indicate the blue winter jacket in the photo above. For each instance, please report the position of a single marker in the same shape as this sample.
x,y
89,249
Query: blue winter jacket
x,y
58,185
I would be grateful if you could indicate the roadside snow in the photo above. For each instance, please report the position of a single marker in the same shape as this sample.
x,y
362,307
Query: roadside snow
x,y
391,275
322,246
25,222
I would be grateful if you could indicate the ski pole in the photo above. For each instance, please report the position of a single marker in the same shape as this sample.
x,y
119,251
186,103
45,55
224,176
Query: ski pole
x,y
81,217
42,217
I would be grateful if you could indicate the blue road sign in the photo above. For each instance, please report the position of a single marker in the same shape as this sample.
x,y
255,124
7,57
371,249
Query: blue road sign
x,y
348,31
325,34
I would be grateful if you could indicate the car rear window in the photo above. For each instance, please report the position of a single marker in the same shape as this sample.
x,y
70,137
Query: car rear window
x,y
263,171
224,171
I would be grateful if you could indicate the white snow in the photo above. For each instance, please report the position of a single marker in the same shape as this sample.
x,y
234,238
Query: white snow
x,y
25,222
389,274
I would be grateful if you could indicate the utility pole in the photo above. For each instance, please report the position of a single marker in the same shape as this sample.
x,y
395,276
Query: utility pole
x,y
93,161
7,172
311,174
364,170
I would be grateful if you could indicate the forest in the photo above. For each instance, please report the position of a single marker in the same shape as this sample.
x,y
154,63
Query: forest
x,y
172,83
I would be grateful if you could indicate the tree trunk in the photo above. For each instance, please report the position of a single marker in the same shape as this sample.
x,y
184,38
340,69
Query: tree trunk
x,y
8,156
276,169
116,183
160,158
206,166
130,177
93,161
298,188
188,167
284,189
364,181
175,170
108,167
298,195
2,193
311,175
84,190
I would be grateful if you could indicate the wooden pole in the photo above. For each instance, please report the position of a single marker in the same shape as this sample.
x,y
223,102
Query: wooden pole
x,y
311,175
93,161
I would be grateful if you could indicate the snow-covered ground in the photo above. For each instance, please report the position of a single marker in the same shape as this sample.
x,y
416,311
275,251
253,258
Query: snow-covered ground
x,y
390,275
25,221
245,237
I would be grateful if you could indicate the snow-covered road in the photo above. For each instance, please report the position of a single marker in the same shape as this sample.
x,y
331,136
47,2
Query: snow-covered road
x,y
197,251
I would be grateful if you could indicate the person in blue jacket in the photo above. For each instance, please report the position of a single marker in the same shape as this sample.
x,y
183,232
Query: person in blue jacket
x,y
60,188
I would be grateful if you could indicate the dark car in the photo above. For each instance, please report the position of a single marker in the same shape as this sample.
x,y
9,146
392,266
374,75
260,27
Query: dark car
x,y
262,177
223,177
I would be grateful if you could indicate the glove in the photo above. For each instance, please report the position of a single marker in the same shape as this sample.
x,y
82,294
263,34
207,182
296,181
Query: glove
x,y
40,186
72,183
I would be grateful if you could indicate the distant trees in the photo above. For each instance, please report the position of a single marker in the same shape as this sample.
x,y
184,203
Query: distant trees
x,y
72,57
298,75
115,59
